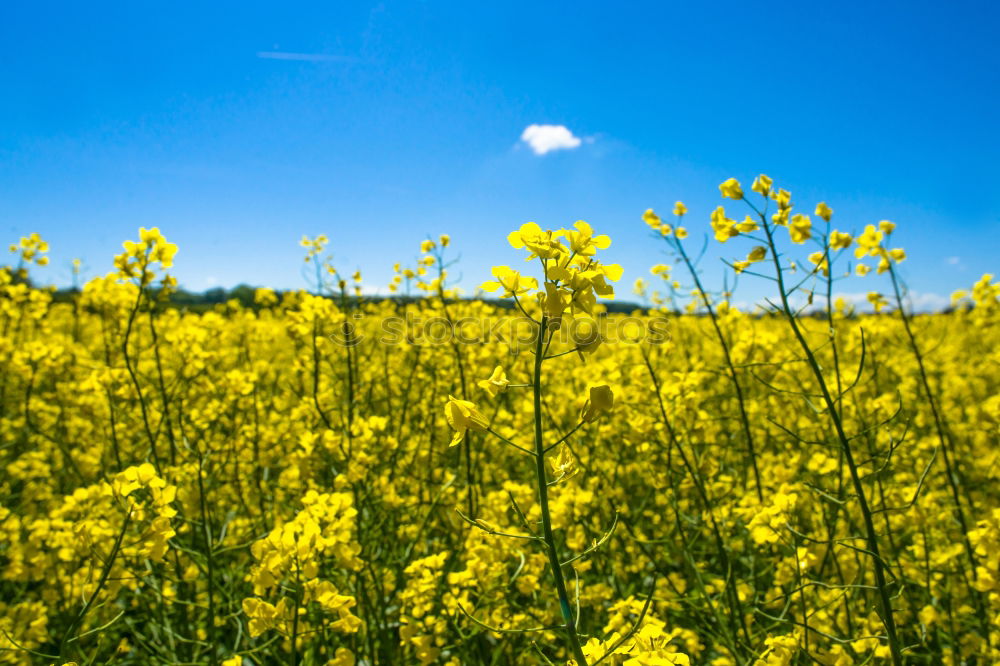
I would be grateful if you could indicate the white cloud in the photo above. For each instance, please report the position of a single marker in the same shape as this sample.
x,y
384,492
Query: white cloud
x,y
922,301
304,57
956,262
546,138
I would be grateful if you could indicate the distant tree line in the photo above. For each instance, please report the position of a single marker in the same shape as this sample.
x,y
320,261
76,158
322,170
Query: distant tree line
x,y
244,295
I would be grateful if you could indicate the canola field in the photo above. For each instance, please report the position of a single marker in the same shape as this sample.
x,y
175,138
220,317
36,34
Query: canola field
x,y
323,478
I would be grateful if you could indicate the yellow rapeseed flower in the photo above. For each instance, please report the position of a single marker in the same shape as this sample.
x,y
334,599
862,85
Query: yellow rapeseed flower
x,y
731,189
462,415
600,402
495,383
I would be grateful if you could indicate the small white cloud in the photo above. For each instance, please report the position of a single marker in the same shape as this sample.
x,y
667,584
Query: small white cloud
x,y
922,301
546,138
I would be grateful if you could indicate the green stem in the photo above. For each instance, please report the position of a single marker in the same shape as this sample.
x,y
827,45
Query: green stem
x,y
951,470
134,377
466,453
209,559
543,503
105,573
870,535
730,366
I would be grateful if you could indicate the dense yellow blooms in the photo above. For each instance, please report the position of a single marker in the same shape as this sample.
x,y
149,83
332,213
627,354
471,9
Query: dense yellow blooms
x,y
273,483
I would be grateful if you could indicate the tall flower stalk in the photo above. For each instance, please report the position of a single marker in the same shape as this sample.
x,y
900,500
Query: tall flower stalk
x,y
572,281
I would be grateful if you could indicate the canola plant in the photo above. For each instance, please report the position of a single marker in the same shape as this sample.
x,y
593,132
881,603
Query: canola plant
x,y
327,479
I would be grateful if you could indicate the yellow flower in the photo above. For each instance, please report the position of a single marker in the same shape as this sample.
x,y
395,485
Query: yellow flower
x,y
780,651
512,282
601,401
444,240
724,227
152,248
564,464
819,258
496,383
783,199
544,244
133,478
886,227
862,269
264,616
756,254
150,236
747,225
265,296
868,242
342,657
555,300
800,229
840,240
426,246
651,219
731,189
680,209
877,300
824,211
762,185
582,242
462,415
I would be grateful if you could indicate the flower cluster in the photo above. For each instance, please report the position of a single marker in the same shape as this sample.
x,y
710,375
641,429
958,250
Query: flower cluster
x,y
269,481
138,262
31,250
573,277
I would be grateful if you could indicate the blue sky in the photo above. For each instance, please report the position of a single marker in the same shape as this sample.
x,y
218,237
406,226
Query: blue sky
x,y
238,127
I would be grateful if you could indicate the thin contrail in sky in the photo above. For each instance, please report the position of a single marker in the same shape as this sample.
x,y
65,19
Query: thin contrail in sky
x,y
305,57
